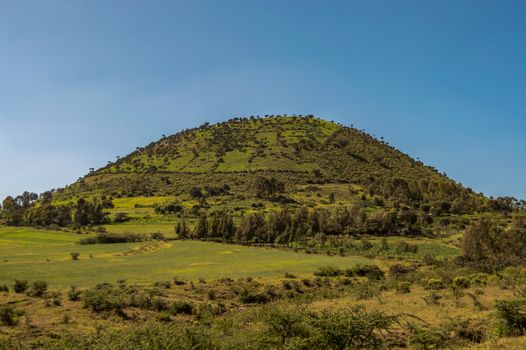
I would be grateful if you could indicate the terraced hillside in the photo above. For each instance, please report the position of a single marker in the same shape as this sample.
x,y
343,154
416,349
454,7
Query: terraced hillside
x,y
296,150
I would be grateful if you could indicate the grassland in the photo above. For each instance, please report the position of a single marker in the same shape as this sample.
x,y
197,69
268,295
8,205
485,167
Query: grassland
x,y
34,254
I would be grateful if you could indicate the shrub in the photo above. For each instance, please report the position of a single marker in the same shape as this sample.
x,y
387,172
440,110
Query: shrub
x,y
404,247
473,330
38,289
328,271
121,217
432,299
461,282
179,282
163,284
20,286
284,325
403,287
109,238
8,315
350,329
425,338
365,244
102,299
289,275
53,298
307,282
399,269
372,272
251,297
75,256
434,284
512,314
4,288
158,236
181,307
74,294
365,291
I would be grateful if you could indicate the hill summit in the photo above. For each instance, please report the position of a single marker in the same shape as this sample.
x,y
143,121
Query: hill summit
x,y
297,150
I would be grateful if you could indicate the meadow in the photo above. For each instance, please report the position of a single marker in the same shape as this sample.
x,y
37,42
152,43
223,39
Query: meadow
x,y
33,254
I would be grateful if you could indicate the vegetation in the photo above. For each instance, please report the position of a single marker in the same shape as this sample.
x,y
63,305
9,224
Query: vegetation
x,y
263,233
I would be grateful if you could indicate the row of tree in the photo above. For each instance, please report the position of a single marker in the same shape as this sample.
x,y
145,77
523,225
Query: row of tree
x,y
28,210
287,225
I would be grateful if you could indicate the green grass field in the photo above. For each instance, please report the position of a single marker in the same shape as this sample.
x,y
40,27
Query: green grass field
x,y
37,254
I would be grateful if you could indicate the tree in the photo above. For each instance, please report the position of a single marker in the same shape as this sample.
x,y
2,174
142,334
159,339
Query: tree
x,y
201,230
267,187
182,230
252,228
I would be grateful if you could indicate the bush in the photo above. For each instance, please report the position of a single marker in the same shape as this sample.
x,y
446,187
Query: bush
x,y
372,272
428,337
181,307
404,247
8,315
121,217
434,284
403,287
251,297
75,256
512,314
4,288
365,291
158,236
328,271
473,330
53,298
432,299
38,289
20,286
179,282
74,294
461,282
109,238
399,269
350,329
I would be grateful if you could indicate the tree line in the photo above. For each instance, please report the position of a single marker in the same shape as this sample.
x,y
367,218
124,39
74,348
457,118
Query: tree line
x,y
30,209
289,225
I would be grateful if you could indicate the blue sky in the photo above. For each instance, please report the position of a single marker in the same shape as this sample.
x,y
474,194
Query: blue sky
x,y
84,81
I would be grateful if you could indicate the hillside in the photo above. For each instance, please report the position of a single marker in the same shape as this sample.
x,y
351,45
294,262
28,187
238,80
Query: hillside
x,y
296,150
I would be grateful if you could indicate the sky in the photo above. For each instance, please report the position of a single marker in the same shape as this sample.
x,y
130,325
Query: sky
x,y
82,82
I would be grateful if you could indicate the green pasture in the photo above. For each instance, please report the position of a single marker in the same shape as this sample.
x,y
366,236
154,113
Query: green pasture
x,y
45,255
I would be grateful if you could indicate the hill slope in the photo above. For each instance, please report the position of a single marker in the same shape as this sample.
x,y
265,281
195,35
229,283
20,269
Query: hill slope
x,y
296,150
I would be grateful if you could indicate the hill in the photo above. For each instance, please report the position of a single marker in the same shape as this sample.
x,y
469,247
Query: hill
x,y
294,150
